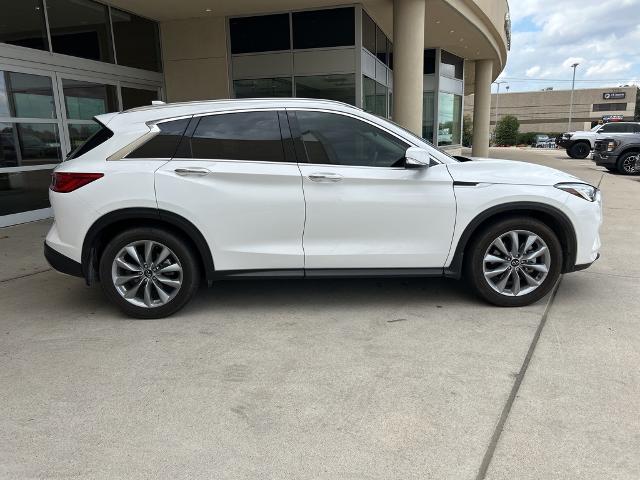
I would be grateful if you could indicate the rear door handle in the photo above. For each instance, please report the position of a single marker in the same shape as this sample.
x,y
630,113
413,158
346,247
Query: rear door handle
x,y
325,177
192,171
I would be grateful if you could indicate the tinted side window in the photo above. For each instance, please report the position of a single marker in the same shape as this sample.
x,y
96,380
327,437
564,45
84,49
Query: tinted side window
x,y
239,136
636,128
98,138
165,143
263,33
324,28
340,140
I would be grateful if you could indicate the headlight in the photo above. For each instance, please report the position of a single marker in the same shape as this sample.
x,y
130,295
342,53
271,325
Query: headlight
x,y
612,145
581,190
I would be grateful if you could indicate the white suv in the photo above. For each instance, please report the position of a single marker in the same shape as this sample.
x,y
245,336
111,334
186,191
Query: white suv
x,y
163,197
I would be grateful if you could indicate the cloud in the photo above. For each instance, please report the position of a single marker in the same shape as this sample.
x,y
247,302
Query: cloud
x,y
550,35
533,71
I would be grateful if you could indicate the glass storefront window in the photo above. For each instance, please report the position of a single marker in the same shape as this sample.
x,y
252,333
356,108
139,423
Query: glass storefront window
x,y
22,23
368,95
137,97
381,46
264,33
429,62
451,65
263,87
29,144
24,191
331,87
25,95
334,27
84,100
449,119
428,108
368,33
136,40
80,28
381,100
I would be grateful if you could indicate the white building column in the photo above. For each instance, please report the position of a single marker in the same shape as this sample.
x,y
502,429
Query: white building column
x,y
408,63
482,108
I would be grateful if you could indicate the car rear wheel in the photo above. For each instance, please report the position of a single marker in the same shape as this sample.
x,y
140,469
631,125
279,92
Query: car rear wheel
x,y
627,163
579,150
514,262
149,272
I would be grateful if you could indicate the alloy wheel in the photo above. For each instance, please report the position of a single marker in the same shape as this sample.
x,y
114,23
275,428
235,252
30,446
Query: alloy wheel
x,y
146,273
630,164
516,263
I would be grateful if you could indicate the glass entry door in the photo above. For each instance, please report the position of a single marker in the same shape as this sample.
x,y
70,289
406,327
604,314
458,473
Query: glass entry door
x,y
44,116
32,143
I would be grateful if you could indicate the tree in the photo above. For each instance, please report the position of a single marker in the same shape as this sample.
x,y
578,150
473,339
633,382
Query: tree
x,y
507,130
467,131
637,112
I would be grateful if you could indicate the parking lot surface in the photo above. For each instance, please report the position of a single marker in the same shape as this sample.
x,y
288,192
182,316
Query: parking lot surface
x,y
327,379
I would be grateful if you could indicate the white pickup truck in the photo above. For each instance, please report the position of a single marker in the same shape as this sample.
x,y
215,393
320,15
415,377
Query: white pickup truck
x,y
580,144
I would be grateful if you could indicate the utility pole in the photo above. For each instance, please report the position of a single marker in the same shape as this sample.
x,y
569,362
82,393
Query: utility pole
x,y
498,99
573,86
497,103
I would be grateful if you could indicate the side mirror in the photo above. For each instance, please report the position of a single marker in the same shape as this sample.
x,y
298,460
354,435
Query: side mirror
x,y
416,158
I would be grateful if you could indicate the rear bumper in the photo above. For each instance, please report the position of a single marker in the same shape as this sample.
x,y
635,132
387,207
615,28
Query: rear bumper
x,y
61,262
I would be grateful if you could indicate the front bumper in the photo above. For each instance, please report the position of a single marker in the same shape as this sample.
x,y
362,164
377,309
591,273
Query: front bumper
x,y
563,142
604,159
61,262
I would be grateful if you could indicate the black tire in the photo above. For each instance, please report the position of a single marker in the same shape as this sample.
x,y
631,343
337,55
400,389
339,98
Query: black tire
x,y
479,247
180,249
626,164
579,150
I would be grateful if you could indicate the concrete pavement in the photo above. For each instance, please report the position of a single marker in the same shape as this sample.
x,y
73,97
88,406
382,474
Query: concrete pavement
x,y
344,379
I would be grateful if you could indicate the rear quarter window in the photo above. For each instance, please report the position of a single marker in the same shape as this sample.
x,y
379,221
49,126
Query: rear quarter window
x,y
98,138
165,143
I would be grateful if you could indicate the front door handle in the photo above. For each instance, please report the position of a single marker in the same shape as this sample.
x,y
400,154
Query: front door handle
x,y
193,171
325,177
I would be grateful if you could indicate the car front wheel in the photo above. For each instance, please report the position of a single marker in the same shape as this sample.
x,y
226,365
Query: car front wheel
x,y
579,150
149,272
627,163
514,262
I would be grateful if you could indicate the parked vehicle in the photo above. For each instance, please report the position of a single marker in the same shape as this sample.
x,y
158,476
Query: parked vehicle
x,y
580,144
618,153
162,197
543,141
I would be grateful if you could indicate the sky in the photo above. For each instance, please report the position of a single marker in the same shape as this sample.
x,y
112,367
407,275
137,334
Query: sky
x,y
548,36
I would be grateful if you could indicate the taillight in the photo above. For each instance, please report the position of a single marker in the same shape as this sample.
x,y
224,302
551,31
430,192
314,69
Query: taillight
x,y
63,182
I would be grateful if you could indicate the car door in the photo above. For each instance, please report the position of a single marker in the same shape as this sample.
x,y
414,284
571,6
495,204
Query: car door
x,y
364,209
235,182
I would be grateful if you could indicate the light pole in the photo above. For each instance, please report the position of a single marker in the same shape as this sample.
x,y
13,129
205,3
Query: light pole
x,y
497,104
573,86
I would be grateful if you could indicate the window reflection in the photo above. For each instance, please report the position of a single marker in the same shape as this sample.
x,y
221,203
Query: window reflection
x,y
22,23
25,95
263,87
428,106
29,144
137,97
24,191
80,28
331,87
449,119
136,40
84,100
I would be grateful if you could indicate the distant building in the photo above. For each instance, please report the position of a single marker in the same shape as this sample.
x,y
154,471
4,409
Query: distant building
x,y
548,111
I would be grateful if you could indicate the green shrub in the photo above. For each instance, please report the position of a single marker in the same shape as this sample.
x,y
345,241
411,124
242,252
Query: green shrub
x,y
467,131
507,131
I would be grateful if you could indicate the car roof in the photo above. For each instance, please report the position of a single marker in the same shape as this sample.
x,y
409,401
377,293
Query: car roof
x,y
159,112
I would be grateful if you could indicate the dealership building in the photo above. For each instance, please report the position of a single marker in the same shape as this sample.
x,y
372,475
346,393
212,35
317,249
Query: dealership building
x,y
64,61
547,111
